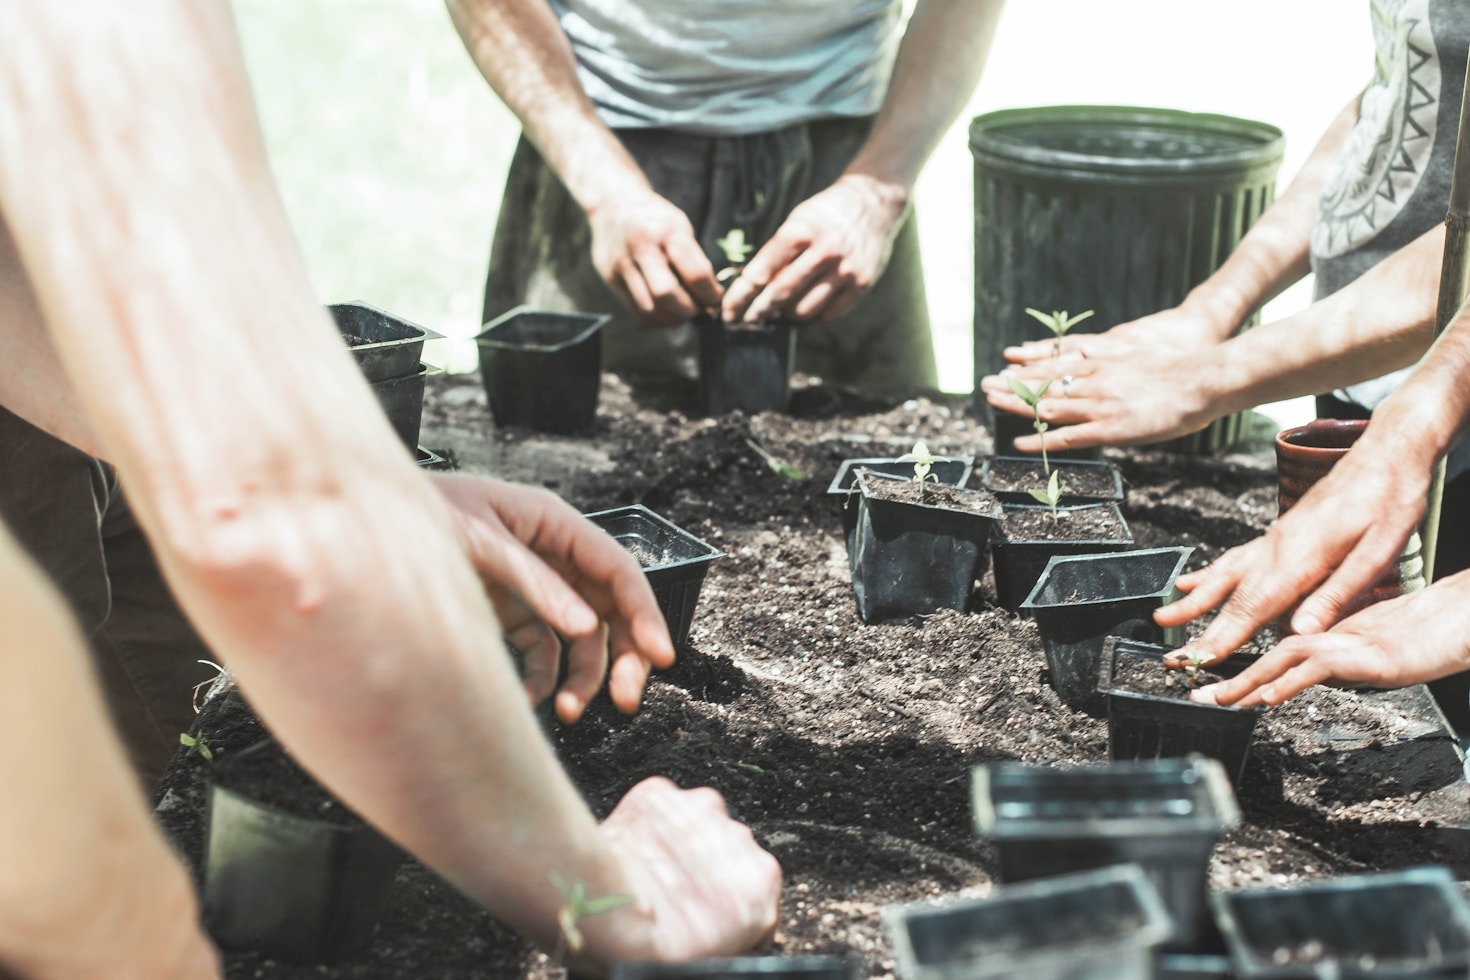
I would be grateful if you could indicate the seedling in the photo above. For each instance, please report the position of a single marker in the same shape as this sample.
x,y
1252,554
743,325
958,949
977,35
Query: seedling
x,y
1053,492
195,745
1058,322
575,907
736,250
923,461
1192,668
1032,398
776,463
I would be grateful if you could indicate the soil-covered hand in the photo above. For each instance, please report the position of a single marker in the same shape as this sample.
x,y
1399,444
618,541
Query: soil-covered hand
x,y
1331,546
1410,639
645,249
827,253
1138,396
703,886
1180,328
551,572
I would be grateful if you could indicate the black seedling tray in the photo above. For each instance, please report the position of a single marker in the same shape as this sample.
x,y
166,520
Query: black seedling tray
x,y
430,460
953,472
1112,474
402,400
542,370
744,368
1018,563
738,968
396,345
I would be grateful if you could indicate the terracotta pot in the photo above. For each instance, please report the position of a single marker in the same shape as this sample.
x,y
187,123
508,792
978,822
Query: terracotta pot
x,y
1303,456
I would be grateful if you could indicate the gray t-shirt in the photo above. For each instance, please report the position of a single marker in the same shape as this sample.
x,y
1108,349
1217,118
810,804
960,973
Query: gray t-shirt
x,y
731,67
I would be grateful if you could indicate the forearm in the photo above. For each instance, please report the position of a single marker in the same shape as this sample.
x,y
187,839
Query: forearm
x,y
1420,421
289,521
524,55
1275,251
938,65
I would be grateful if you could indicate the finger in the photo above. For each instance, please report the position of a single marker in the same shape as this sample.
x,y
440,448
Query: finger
x,y
671,303
539,670
1355,575
627,679
1242,690
1082,435
510,564
630,279
1203,590
586,669
693,268
841,302
757,275
791,282
813,303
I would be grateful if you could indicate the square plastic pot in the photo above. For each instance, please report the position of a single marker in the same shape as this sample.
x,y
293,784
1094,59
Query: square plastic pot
x,y
737,968
744,367
1072,470
674,561
1081,600
1008,427
1018,562
1163,815
403,402
394,346
542,370
1098,925
953,472
1152,726
910,559
430,460
1410,923
291,887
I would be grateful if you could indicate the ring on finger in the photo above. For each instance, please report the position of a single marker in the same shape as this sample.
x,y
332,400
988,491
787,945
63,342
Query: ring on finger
x,y
1067,380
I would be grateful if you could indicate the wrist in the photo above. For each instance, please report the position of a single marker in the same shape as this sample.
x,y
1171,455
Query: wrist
x,y
1220,306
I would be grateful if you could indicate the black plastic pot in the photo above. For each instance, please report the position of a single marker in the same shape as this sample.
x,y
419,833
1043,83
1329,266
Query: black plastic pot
x,y
1118,209
403,402
1098,924
1163,815
744,367
1151,726
910,559
291,887
1410,923
1081,600
430,460
396,346
1193,966
1008,427
737,968
1018,562
1067,467
953,472
674,561
542,370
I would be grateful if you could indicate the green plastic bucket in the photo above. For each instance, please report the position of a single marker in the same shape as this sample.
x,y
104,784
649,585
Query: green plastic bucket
x,y
1117,209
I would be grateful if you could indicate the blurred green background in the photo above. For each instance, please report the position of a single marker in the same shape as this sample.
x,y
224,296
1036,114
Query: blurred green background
x,y
390,149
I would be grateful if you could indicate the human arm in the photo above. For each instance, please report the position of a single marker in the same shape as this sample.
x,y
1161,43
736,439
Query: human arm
x,y
643,246
1271,256
1382,321
91,891
295,532
832,247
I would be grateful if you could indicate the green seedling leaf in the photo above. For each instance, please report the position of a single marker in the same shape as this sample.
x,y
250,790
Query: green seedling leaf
x,y
576,906
735,247
1023,392
1057,321
750,767
923,461
196,746
776,463
1052,495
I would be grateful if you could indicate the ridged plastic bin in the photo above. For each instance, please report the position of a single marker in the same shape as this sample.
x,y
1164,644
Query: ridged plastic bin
x,y
1117,209
674,561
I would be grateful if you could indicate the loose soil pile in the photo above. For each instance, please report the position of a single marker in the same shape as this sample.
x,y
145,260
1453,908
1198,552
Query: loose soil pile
x,y
847,748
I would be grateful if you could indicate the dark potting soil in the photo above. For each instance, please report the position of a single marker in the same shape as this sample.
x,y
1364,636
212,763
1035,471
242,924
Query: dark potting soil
x,y
353,340
1145,675
931,494
1087,480
847,747
1066,524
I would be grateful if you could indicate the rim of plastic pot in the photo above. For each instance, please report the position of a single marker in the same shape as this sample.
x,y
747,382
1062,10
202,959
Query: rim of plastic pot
x,y
846,474
638,513
1436,878
1322,439
1051,571
1125,144
415,331
991,513
1112,505
808,967
1115,645
1020,496
1152,925
1194,780
548,331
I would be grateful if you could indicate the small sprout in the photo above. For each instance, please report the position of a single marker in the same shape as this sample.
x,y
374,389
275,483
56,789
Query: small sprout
x,y
750,767
776,463
736,250
1058,322
196,746
1053,492
576,906
1033,401
923,462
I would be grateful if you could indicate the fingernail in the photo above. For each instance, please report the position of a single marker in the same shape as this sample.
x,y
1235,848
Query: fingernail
x,y
1305,623
1205,695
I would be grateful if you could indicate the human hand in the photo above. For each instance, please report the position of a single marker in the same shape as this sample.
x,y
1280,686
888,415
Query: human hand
x,y
1410,639
704,887
1334,544
827,253
550,571
1179,328
644,248
1141,396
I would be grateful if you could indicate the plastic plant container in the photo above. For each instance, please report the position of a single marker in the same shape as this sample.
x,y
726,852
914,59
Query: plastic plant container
x,y
1008,427
1194,966
1118,209
744,367
954,472
1163,815
1073,472
674,561
737,968
403,402
394,346
291,887
1018,562
1409,923
1096,925
542,370
911,558
1081,600
430,460
1154,726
